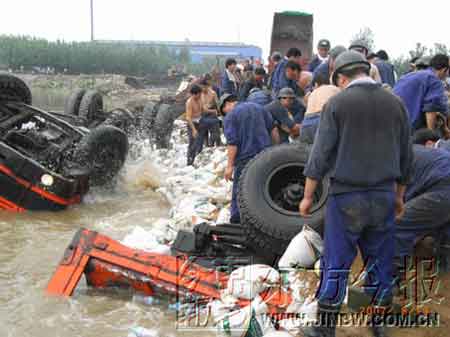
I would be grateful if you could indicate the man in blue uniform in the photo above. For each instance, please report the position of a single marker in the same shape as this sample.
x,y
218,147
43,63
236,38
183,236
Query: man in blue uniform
x,y
424,94
249,129
363,143
427,199
292,72
323,48
325,69
281,112
385,68
278,79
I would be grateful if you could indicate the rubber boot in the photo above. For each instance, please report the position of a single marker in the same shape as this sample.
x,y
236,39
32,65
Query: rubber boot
x,y
326,327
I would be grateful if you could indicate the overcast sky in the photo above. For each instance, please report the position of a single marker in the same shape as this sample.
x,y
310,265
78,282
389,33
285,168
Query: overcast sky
x,y
397,25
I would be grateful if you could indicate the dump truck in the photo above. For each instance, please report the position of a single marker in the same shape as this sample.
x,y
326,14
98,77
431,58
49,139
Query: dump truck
x,y
292,29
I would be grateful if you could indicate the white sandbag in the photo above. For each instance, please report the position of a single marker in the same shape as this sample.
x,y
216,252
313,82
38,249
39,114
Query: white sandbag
x,y
302,249
244,322
224,216
249,281
142,332
161,249
141,239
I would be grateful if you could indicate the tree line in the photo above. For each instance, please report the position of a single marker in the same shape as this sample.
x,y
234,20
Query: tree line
x,y
401,63
23,52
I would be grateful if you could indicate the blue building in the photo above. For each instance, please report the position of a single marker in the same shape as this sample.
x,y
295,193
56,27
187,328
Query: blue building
x,y
200,50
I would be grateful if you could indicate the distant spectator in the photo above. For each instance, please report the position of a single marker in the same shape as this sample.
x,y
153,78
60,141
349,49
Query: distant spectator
x,y
255,81
385,68
229,79
323,48
361,47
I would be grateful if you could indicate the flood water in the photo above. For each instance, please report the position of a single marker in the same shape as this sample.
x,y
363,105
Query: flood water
x,y
32,244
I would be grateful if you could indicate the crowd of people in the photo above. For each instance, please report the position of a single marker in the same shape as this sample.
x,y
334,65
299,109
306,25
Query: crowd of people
x,y
361,121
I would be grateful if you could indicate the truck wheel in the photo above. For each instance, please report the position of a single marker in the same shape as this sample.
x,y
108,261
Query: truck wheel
x,y
103,151
271,188
13,89
163,126
90,105
72,105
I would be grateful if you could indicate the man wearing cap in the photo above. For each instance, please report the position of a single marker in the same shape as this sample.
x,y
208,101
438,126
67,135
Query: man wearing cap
x,y
249,129
363,145
424,93
281,112
327,68
323,48
361,47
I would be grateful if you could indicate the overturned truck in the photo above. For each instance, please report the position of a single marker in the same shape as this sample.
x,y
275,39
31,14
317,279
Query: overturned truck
x,y
47,163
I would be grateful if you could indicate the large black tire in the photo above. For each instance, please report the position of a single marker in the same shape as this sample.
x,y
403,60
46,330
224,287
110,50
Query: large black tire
x,y
271,222
103,151
91,105
73,102
13,89
163,126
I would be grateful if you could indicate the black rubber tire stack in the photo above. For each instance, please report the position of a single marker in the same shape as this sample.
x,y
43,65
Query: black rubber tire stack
x,y
163,126
269,227
148,118
72,105
13,89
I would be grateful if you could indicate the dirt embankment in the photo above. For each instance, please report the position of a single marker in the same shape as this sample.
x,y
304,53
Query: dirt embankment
x,y
50,91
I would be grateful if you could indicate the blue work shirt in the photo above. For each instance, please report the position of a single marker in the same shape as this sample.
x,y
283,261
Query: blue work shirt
x,y
430,167
315,62
227,85
279,69
281,118
248,126
309,128
363,140
421,91
261,97
386,72
323,68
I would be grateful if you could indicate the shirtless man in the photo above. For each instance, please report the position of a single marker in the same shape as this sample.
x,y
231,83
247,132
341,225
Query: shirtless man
x,y
209,119
194,109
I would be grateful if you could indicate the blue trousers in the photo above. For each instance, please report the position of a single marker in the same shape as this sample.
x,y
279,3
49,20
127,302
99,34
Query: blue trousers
x,y
425,215
195,144
364,220
239,166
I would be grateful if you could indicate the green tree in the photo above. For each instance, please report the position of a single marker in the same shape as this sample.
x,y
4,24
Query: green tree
x,y
365,35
